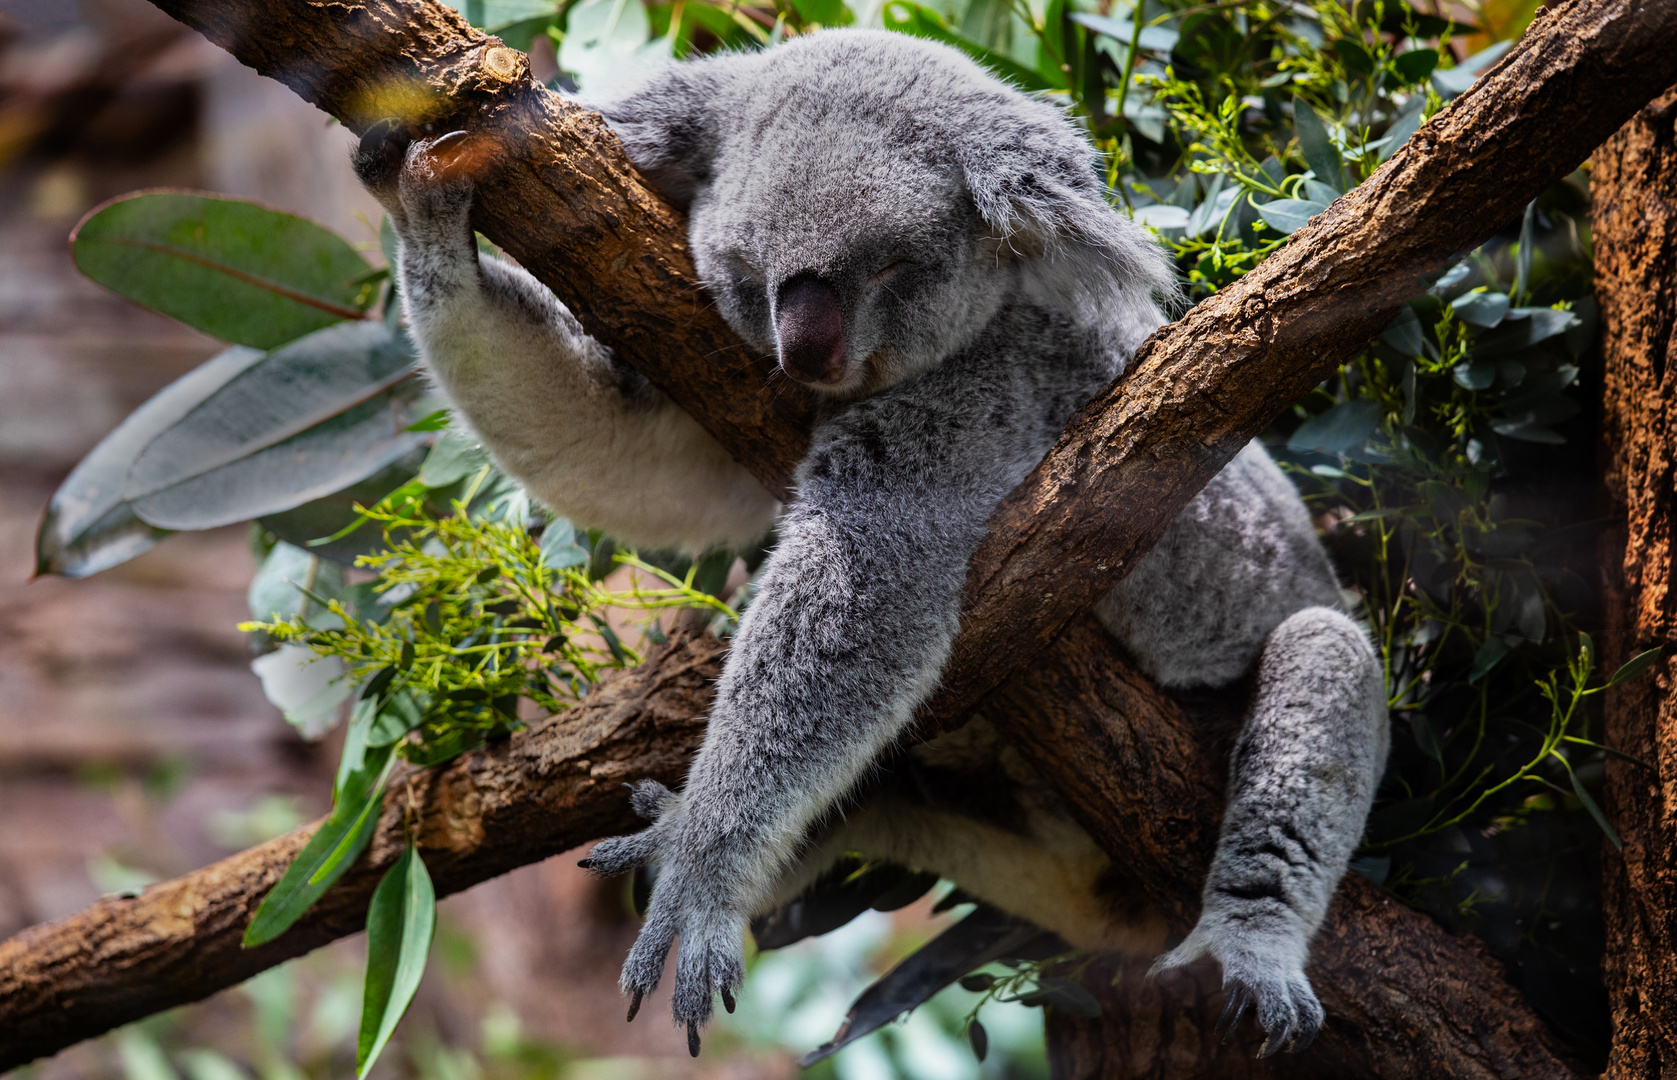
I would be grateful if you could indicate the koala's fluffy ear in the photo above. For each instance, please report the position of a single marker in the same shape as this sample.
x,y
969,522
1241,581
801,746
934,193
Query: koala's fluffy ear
x,y
670,124
1035,185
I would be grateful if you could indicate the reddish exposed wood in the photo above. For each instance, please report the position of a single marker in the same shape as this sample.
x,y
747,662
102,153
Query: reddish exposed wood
x,y
1634,185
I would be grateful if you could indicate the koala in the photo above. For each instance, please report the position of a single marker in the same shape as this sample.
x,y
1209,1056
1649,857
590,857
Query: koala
x,y
931,253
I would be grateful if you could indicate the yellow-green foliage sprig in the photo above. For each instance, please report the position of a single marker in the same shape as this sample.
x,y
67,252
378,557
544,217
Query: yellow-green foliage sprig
x,y
463,618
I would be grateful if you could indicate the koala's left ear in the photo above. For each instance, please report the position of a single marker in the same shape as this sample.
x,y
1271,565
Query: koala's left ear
x,y
1035,185
671,124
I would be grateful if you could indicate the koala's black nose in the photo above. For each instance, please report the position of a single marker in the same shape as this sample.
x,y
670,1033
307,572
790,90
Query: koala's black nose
x,y
809,323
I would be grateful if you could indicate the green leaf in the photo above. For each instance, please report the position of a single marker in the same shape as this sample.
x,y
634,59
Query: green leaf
x,y
1153,38
1319,151
907,17
237,271
1481,308
1595,811
1634,667
315,525
1287,216
454,458
88,526
326,856
1415,65
1487,658
979,1038
1342,429
400,922
1162,216
1402,128
305,421
1522,259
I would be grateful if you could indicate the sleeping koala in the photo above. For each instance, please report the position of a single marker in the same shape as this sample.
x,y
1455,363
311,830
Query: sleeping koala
x,y
931,252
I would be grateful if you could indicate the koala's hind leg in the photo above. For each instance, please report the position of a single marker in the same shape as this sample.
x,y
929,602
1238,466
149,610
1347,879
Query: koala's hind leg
x,y
1301,783
582,432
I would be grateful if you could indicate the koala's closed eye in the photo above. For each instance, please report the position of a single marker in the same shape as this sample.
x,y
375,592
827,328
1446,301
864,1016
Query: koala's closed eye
x,y
888,271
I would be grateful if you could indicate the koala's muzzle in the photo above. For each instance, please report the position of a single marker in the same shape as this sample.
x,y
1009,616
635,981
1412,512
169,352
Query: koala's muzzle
x,y
809,326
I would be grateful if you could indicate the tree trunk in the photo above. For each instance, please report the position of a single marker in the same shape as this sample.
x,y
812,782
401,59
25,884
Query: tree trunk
x,y
1634,188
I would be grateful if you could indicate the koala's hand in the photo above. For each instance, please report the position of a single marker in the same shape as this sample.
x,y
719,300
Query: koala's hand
x,y
685,904
1258,969
420,179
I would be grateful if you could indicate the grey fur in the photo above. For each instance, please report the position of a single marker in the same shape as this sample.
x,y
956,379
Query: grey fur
x,y
976,288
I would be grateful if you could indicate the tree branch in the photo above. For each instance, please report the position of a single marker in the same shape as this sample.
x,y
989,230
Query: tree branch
x,y
565,204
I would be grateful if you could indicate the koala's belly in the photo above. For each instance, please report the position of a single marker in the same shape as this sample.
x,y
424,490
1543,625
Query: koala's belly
x,y
1240,559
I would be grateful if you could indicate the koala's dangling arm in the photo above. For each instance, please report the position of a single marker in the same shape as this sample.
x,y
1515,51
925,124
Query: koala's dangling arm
x,y
854,618
582,432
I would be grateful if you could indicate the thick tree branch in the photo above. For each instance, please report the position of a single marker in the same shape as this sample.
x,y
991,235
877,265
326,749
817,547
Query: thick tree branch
x,y
565,204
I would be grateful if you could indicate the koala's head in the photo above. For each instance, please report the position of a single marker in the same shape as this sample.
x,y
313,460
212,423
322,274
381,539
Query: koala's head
x,y
862,203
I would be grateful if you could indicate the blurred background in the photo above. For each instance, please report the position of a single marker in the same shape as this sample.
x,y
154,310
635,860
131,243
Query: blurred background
x,y
136,744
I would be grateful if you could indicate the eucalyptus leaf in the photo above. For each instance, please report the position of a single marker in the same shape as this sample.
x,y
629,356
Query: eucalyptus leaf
x,y
907,17
1404,332
1487,658
88,526
312,525
334,846
453,458
559,549
305,421
1162,216
1287,216
1595,810
1481,308
1635,666
1319,151
400,923
981,937
1456,80
1153,38
244,273
1402,128
1341,430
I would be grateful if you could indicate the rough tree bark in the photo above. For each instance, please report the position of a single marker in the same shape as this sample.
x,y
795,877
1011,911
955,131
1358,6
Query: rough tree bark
x,y
1592,61
1634,188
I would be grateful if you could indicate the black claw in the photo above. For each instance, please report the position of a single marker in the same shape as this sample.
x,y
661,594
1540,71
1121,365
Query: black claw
x,y
586,864
1232,1012
727,1000
634,1007
1276,1040
446,146
1305,1038
693,1037
379,154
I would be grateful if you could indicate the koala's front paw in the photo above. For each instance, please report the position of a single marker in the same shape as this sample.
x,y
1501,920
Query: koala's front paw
x,y
1257,972
428,180
711,962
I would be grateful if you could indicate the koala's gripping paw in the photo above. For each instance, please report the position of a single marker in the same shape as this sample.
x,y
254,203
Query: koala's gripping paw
x,y
426,178
1256,974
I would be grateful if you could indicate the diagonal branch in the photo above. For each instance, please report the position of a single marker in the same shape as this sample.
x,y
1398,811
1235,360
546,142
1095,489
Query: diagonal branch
x,y
568,206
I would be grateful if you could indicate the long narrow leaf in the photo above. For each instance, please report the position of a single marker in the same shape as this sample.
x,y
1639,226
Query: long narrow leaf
x,y
88,526
1634,667
306,421
343,835
1595,811
400,923
244,273
906,17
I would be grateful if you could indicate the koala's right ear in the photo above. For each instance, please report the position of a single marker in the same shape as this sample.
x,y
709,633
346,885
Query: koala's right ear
x,y
671,124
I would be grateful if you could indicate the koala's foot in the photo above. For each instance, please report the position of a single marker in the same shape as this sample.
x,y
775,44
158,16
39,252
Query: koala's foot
x,y
711,962
1259,972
